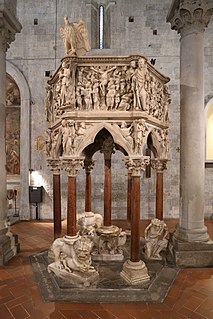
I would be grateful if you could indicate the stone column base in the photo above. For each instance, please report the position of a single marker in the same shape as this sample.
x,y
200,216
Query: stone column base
x,y
191,254
191,235
135,273
9,246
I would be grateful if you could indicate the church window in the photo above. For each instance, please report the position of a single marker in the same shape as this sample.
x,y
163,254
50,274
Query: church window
x,y
101,27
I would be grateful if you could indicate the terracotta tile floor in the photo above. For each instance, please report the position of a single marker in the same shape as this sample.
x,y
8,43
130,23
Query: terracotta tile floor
x,y
191,295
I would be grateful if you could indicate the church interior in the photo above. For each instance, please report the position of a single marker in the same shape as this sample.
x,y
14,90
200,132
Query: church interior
x,y
106,201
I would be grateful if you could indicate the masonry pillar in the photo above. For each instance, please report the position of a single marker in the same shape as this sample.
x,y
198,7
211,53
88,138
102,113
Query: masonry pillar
x,y
72,166
159,165
9,26
190,20
134,270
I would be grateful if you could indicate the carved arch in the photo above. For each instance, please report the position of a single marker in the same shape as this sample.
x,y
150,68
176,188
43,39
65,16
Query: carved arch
x,y
113,129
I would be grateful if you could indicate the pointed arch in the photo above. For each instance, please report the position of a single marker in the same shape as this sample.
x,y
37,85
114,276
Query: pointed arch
x,y
113,129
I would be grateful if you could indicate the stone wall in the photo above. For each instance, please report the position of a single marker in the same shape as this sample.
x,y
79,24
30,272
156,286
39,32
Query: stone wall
x,y
39,48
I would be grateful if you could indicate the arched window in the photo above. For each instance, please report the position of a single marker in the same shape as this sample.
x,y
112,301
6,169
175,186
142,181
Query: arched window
x,y
209,131
101,27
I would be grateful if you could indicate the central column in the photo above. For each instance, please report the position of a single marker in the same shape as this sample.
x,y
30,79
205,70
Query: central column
x,y
107,150
88,166
190,20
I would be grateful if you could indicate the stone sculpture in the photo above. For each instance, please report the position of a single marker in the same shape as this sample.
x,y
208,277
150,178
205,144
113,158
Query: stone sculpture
x,y
155,236
73,262
75,37
108,242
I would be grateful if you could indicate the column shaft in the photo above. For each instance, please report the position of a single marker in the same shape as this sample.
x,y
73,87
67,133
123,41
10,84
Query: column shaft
x,y
88,192
71,206
192,134
107,192
135,219
129,194
57,205
159,195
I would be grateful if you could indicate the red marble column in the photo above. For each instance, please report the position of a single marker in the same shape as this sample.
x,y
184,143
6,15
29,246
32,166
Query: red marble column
x,y
159,165
129,194
57,204
135,219
107,192
159,195
71,206
88,192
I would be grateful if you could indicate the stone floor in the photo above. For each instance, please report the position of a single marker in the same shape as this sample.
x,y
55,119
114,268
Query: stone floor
x,y
190,297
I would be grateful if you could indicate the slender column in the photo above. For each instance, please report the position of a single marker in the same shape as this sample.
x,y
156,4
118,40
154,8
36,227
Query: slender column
x,y
159,165
129,195
57,203
9,26
135,166
135,220
72,166
71,206
134,270
107,192
55,168
88,165
107,150
190,20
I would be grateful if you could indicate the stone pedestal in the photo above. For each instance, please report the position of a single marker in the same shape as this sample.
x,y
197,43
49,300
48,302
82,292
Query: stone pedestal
x,y
9,27
135,273
192,254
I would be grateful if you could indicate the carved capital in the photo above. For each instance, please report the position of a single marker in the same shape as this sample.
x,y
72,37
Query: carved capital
x,y
72,165
88,165
54,165
159,164
9,25
190,16
136,164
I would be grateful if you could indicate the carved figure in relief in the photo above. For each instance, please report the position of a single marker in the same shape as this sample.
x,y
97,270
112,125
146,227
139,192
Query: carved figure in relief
x,y
96,95
48,103
139,129
155,236
125,103
75,37
126,132
79,94
56,141
110,96
64,77
88,96
103,78
138,85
